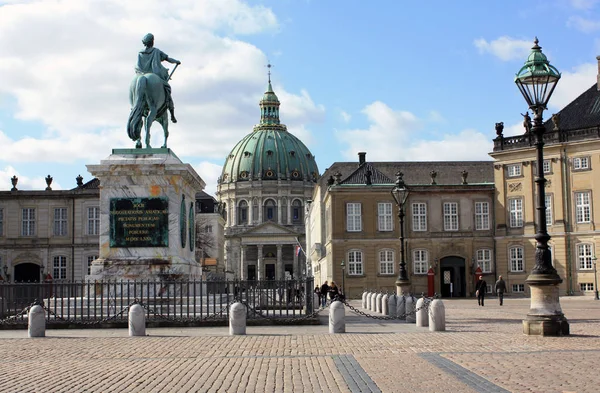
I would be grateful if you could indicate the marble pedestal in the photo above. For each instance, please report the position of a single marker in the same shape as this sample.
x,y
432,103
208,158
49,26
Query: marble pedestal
x,y
545,317
142,251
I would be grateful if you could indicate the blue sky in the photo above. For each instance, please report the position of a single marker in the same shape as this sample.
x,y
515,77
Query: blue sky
x,y
399,80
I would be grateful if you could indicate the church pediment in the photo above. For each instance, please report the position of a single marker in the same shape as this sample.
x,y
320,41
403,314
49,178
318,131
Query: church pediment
x,y
269,228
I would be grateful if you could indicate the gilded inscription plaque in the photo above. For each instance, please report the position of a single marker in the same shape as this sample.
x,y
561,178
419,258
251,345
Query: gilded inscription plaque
x,y
139,222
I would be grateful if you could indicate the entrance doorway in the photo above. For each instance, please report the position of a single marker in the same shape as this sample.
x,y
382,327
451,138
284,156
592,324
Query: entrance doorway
x,y
270,271
453,277
251,272
27,272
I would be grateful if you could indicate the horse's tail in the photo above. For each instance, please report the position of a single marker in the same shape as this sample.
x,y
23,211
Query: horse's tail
x,y
134,124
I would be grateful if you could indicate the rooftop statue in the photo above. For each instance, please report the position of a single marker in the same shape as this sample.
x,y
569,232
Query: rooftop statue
x,y
150,93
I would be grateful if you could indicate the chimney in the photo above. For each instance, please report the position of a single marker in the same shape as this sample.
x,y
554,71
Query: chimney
x,y
598,76
362,158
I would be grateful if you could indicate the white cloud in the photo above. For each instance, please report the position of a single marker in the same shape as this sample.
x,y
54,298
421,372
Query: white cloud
x,y
505,48
346,117
583,4
209,172
582,24
395,136
24,182
572,84
77,82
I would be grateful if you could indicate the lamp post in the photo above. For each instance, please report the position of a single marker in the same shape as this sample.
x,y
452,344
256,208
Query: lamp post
x,y
343,265
536,80
594,259
400,195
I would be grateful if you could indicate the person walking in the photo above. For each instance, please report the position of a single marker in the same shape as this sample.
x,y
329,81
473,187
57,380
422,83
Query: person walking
x,y
500,289
334,292
480,290
324,292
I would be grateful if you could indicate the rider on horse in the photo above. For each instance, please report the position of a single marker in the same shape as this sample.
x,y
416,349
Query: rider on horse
x,y
149,61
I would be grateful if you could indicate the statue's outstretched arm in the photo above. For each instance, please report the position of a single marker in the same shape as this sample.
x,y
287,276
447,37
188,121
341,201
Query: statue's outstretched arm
x,y
173,61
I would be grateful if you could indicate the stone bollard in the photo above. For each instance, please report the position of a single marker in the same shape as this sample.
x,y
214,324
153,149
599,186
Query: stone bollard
x,y
337,318
384,304
370,301
392,306
410,309
401,307
36,322
364,299
137,320
422,316
437,316
316,303
373,302
237,319
378,302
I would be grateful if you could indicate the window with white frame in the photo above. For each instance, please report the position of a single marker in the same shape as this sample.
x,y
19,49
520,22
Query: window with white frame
x,y
513,170
582,207
60,221
586,286
384,216
90,259
450,216
386,261
518,287
93,220
28,222
484,260
353,217
547,166
420,261
419,216
59,268
585,256
515,206
482,216
1,222
515,255
355,263
549,209
580,163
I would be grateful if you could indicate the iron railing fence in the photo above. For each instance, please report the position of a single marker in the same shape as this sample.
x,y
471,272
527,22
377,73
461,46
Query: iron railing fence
x,y
88,302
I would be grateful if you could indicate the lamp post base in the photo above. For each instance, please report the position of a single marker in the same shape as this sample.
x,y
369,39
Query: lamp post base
x,y
402,287
545,317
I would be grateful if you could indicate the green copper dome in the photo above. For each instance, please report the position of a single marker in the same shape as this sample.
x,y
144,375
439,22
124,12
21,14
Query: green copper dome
x,y
269,152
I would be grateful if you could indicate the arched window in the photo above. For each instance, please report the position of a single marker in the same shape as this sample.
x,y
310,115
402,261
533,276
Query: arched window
x,y
270,210
243,213
297,216
355,263
386,261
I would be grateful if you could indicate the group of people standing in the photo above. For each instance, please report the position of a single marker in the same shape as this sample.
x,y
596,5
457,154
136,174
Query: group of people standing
x,y
325,290
481,289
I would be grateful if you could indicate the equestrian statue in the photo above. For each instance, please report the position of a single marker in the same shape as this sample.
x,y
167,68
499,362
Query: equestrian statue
x,y
150,93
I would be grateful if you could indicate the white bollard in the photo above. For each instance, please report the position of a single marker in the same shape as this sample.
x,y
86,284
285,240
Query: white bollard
x,y
369,296
401,307
422,316
437,316
410,309
384,304
337,318
378,302
137,320
392,305
373,302
237,319
36,322
364,299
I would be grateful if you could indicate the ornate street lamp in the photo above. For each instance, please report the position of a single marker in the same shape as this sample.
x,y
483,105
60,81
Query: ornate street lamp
x,y
400,195
594,259
343,265
536,80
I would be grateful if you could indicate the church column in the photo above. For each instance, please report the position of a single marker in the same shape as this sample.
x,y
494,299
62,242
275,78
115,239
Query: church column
x,y
233,212
243,263
260,267
279,211
250,212
295,265
280,269
289,212
260,211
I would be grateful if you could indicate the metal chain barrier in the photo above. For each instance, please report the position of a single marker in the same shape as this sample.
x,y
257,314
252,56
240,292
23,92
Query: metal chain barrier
x,y
425,306
285,321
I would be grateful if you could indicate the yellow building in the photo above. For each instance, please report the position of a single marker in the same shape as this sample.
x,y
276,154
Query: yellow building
x,y
572,169
448,225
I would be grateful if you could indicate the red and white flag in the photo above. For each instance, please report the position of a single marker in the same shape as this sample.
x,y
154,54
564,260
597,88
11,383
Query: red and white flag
x,y
298,249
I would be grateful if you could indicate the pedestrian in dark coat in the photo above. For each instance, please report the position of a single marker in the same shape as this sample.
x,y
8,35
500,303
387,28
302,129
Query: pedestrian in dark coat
x,y
480,290
500,289
324,292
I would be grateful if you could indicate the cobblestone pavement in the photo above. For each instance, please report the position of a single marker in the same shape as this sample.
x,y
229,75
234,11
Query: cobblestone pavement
x,y
483,350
